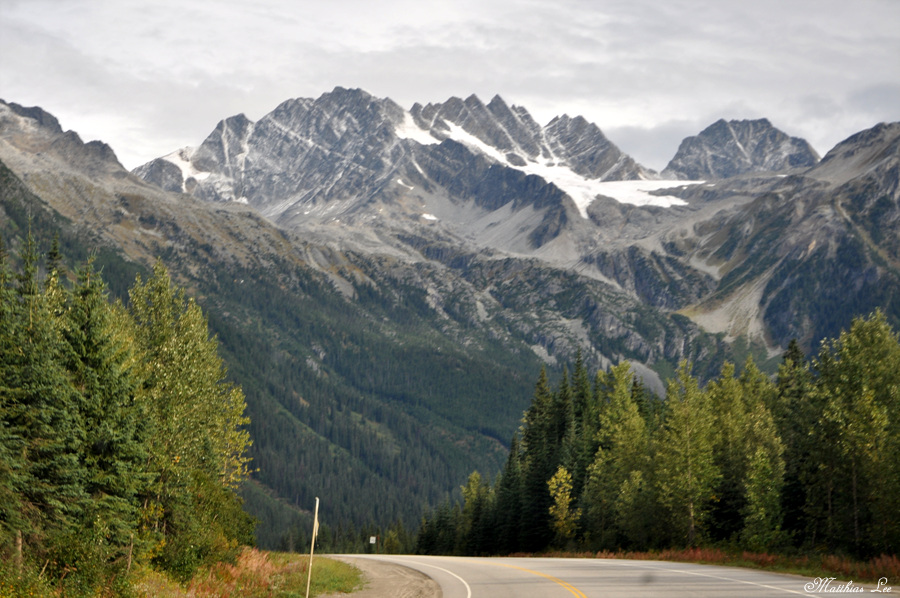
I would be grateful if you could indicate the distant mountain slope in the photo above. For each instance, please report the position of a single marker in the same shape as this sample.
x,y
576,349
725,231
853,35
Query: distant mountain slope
x,y
727,149
810,250
386,283
354,171
376,378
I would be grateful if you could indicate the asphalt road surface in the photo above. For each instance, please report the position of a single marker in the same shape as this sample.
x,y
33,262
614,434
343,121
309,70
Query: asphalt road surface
x,y
463,577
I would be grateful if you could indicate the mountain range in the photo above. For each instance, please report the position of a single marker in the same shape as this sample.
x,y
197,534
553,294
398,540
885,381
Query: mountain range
x,y
386,283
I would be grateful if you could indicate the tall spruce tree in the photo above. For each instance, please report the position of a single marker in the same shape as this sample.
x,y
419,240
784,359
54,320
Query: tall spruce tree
x,y
584,413
12,462
540,449
43,405
103,366
508,504
795,415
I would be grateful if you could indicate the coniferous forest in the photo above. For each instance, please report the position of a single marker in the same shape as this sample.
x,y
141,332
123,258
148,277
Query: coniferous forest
x,y
121,442
808,461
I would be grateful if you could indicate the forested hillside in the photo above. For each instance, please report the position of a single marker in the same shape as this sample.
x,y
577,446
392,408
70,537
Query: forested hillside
x,y
337,406
809,460
122,443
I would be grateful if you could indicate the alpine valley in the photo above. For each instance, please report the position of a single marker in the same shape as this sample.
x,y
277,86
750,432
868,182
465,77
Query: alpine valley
x,y
386,284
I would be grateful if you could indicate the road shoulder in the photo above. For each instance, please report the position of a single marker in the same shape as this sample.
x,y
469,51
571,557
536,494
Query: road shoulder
x,y
389,580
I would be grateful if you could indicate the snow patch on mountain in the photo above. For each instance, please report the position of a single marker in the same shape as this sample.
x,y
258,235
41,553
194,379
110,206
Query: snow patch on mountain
x,y
408,129
582,190
638,193
182,159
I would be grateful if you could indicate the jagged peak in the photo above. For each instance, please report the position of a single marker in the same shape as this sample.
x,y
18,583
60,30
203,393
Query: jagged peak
x,y
474,100
498,101
728,148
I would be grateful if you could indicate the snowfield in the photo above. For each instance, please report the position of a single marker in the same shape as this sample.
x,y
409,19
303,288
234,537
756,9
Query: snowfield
x,y
583,191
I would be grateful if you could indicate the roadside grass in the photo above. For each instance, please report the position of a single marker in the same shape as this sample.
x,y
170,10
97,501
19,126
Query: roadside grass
x,y
884,566
255,574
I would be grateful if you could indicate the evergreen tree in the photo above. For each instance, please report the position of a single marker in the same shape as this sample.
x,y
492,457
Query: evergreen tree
x,y
195,418
508,504
476,516
584,414
42,403
12,463
541,435
102,364
685,459
613,492
794,414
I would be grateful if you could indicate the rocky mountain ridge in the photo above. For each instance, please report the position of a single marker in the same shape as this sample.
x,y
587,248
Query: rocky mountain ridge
x,y
465,177
426,239
404,368
727,149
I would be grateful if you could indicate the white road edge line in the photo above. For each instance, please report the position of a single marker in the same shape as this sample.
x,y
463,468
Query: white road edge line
x,y
462,581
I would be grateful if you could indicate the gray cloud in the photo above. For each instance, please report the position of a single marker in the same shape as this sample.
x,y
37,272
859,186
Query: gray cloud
x,y
148,77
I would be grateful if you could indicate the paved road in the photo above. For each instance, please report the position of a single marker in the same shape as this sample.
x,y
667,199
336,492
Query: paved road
x,y
461,577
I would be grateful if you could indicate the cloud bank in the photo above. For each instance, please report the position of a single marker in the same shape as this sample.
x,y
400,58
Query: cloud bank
x,y
149,77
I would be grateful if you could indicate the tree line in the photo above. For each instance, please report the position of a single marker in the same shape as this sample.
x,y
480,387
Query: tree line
x,y
122,443
806,461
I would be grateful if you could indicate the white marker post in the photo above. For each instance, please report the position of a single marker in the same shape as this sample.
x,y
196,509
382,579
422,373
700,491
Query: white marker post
x,y
313,545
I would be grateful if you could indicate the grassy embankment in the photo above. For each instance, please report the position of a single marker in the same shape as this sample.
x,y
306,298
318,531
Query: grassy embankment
x,y
255,574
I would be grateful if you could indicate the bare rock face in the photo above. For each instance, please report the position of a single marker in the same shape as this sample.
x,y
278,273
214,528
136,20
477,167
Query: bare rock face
x,y
337,156
344,237
727,149
468,178
162,173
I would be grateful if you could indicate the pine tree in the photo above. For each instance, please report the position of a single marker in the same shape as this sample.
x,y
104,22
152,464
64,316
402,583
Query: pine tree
x,y
102,363
794,413
476,523
584,427
508,505
43,406
540,449
12,463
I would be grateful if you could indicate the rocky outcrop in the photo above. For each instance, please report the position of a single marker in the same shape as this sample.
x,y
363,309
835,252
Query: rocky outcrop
x,y
729,148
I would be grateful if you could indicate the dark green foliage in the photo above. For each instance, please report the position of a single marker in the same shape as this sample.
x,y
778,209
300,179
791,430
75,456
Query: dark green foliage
x,y
80,484
807,462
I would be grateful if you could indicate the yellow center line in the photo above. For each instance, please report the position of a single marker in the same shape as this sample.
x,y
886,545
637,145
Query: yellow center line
x,y
572,589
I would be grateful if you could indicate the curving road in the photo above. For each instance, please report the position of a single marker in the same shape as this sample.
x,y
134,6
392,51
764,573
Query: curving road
x,y
462,577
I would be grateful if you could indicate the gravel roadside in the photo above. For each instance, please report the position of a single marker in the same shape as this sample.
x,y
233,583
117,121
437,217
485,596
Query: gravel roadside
x,y
387,580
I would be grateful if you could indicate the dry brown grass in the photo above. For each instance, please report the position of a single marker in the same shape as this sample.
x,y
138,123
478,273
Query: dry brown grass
x,y
255,574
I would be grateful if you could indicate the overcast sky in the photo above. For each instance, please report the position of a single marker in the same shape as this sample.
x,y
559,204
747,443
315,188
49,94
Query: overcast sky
x,y
149,77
